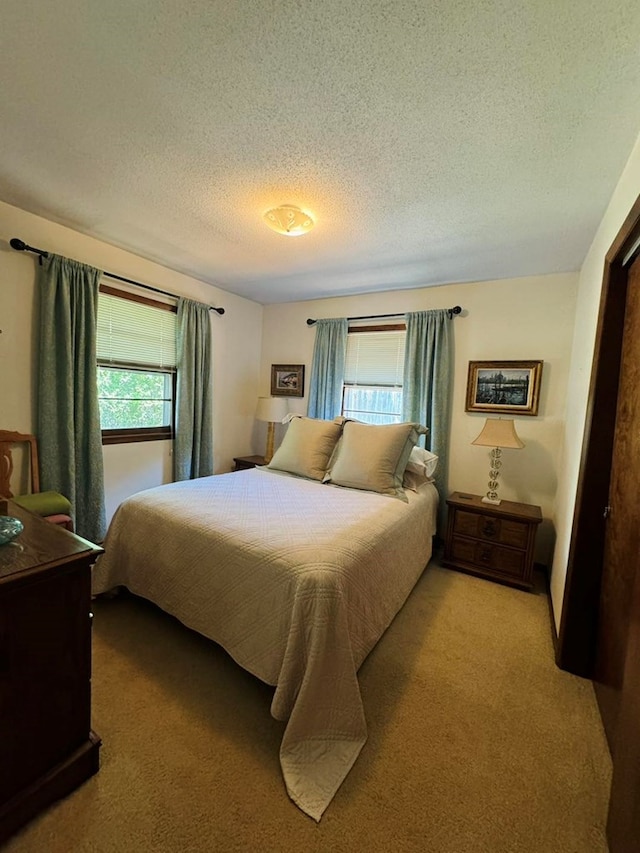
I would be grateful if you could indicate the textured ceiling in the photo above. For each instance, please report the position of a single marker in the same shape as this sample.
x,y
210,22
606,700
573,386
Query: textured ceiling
x,y
433,142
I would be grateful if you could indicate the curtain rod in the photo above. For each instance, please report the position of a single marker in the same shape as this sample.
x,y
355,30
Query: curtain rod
x,y
21,246
455,310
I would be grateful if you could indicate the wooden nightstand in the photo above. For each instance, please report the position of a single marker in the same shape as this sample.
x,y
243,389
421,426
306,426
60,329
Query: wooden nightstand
x,y
494,542
244,462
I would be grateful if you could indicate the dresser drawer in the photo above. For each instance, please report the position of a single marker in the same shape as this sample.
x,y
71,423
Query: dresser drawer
x,y
489,556
487,527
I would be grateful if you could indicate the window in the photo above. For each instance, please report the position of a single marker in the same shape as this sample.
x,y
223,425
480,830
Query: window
x,y
136,351
374,368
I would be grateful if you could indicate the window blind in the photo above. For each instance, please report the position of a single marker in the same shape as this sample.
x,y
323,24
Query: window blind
x,y
375,358
133,333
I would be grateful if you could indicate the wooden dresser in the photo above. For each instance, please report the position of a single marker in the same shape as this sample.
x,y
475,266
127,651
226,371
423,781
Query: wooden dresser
x,y
494,542
47,747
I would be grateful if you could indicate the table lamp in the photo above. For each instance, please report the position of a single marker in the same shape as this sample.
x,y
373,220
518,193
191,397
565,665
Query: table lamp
x,y
271,410
497,433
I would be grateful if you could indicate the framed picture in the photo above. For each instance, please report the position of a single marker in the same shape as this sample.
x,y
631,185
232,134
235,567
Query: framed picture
x,y
509,387
287,380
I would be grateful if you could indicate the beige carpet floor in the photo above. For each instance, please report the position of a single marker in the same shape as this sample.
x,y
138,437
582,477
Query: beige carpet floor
x,y
477,742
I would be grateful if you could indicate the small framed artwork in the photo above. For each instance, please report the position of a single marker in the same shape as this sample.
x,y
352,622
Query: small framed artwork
x,y
287,380
504,387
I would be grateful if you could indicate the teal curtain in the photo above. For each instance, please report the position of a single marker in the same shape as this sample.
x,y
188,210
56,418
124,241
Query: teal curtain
x,y
327,369
193,444
68,418
426,391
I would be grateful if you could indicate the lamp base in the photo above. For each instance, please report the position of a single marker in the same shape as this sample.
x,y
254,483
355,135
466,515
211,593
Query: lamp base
x,y
268,454
494,501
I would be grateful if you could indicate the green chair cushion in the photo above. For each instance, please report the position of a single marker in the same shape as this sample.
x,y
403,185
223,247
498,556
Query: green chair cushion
x,y
44,503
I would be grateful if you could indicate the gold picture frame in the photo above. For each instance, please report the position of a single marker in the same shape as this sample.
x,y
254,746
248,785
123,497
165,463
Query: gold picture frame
x,y
287,380
504,387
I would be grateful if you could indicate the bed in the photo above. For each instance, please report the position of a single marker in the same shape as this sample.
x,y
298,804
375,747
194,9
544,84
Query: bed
x,y
296,578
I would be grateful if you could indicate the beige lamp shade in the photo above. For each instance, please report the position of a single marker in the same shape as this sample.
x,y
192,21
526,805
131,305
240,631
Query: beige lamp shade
x,y
499,432
271,410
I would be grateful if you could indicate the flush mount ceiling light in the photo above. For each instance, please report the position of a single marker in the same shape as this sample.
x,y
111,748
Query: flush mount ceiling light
x,y
289,220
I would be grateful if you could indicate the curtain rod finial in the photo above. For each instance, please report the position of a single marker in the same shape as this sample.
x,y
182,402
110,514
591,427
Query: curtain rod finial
x,y
21,246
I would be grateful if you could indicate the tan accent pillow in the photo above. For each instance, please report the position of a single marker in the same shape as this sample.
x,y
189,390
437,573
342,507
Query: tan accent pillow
x,y
307,447
374,457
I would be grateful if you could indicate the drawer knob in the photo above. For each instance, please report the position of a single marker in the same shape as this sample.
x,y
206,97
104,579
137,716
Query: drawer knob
x,y
489,528
485,555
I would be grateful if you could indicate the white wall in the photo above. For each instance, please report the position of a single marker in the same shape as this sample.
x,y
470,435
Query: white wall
x,y
587,307
236,346
526,318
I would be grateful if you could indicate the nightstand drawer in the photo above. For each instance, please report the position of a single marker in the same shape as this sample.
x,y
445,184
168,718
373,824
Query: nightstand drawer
x,y
502,530
485,555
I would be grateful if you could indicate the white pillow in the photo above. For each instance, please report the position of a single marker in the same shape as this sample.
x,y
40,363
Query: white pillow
x,y
422,462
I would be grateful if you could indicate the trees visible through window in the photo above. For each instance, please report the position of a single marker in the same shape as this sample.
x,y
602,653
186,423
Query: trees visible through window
x,y
374,368
136,350
134,399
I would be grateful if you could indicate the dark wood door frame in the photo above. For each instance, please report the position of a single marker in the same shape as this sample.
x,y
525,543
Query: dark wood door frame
x,y
577,637
623,823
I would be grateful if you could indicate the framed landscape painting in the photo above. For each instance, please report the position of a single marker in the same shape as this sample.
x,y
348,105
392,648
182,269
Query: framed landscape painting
x,y
287,380
504,387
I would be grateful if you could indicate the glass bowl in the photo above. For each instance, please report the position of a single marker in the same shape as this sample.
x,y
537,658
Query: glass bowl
x,y
9,528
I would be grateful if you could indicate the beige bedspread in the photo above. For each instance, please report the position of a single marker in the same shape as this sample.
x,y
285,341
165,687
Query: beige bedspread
x,y
295,579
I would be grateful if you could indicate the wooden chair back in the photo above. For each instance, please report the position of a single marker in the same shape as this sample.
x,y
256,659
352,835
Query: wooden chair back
x,y
8,440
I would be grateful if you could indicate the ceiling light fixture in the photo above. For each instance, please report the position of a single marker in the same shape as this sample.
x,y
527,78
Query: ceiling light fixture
x,y
289,220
